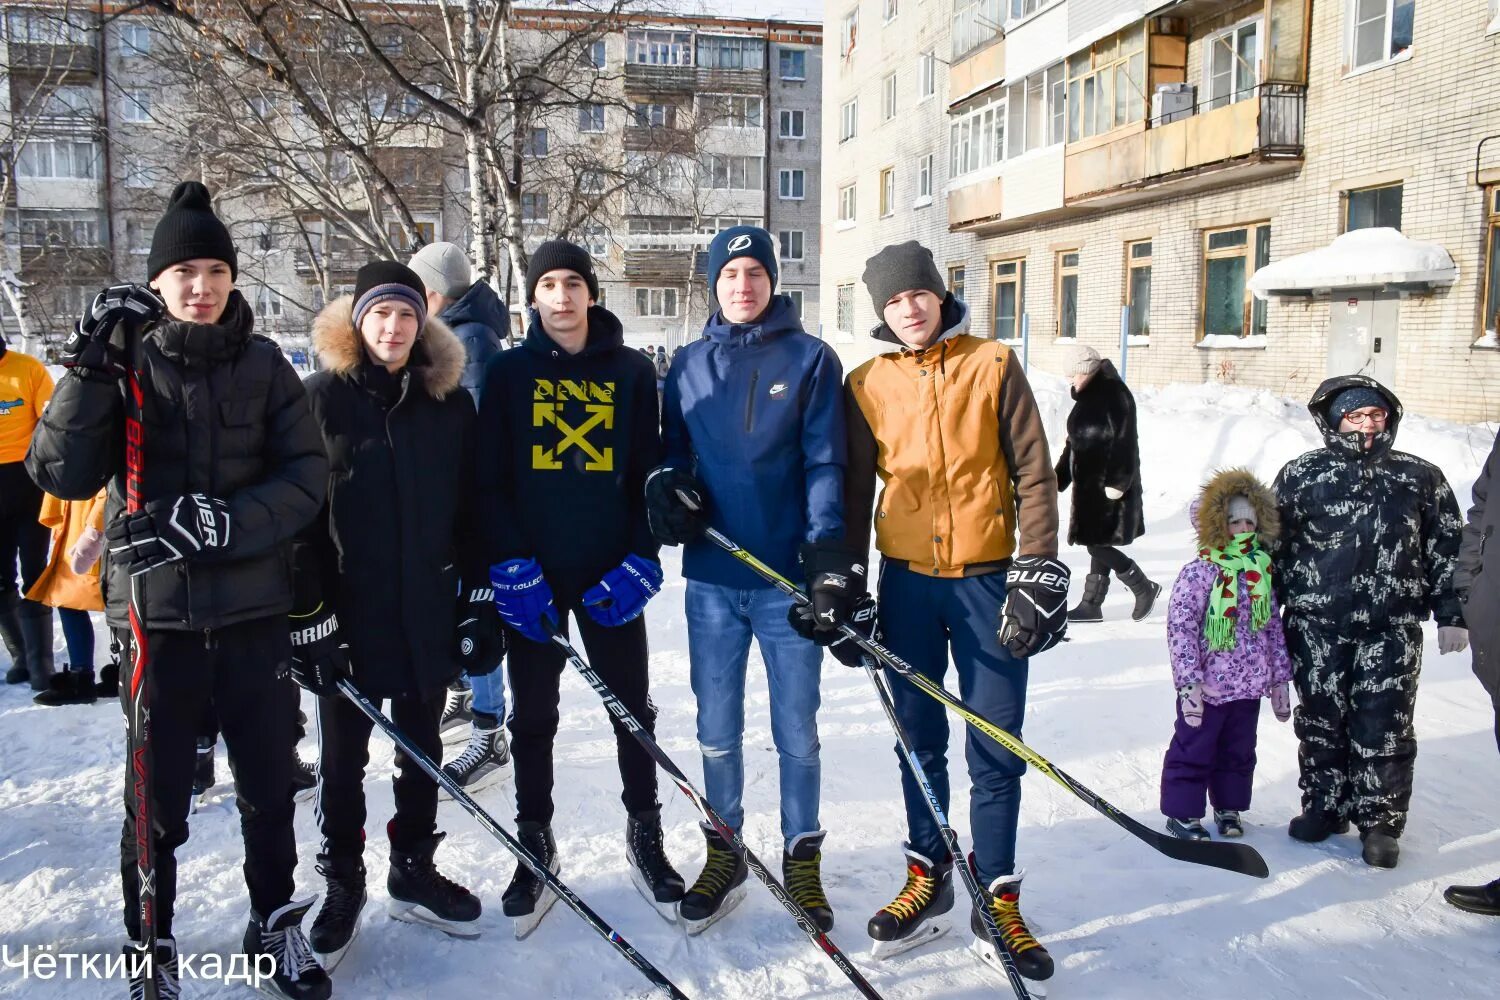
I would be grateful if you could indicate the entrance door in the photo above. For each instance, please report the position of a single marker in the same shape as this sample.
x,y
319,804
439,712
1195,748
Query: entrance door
x,y
1362,336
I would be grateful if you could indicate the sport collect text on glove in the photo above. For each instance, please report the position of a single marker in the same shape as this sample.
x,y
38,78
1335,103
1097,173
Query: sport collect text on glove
x,y
524,598
622,595
168,529
88,347
1190,697
479,639
320,657
864,620
835,580
676,507
1035,616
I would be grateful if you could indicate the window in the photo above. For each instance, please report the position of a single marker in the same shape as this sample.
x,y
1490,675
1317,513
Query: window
x,y
426,233
887,191
1231,65
927,74
1010,281
138,236
652,116
975,24
731,110
1230,256
1379,31
924,177
888,98
47,28
267,303
1372,207
591,118
57,159
1494,17
1057,105
1025,8
659,48
795,294
135,40
732,173
1066,295
659,173
1106,84
849,120
843,314
891,10
656,302
533,208
792,64
730,52
1492,270
849,33
59,230
791,244
792,185
977,140
794,124
593,54
596,240
656,231
135,105
956,281
846,203
591,182
536,143
1138,287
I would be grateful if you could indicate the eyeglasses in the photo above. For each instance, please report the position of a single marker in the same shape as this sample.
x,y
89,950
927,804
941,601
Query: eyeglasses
x,y
1359,419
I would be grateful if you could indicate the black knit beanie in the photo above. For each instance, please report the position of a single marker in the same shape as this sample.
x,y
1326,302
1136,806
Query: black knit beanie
x,y
899,268
560,255
188,230
387,279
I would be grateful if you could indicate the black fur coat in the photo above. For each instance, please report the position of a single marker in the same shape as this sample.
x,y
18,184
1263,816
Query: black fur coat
x,y
1102,451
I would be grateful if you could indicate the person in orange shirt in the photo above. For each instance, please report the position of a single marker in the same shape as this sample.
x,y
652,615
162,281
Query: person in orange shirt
x,y
70,583
25,626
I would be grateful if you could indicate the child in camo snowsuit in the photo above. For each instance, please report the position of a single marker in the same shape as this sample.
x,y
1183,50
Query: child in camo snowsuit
x,y
1228,652
1369,542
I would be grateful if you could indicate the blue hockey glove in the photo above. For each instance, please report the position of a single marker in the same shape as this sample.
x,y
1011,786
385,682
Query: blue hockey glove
x,y
523,598
622,595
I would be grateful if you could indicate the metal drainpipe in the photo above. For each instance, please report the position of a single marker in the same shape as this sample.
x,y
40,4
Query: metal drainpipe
x,y
765,120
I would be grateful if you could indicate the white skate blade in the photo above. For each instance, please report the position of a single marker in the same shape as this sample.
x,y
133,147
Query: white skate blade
x,y
527,922
414,913
498,775
457,734
984,950
331,960
667,911
883,950
735,897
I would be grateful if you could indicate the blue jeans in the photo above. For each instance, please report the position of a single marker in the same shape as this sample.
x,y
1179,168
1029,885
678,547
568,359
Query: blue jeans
x,y
721,621
78,633
489,693
922,618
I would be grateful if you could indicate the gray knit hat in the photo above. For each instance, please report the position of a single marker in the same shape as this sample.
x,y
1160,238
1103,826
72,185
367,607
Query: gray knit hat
x,y
1079,359
1241,509
444,269
902,267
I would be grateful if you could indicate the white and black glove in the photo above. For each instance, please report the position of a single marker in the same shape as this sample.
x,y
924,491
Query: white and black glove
x,y
863,620
88,346
1035,616
320,657
835,580
169,529
479,640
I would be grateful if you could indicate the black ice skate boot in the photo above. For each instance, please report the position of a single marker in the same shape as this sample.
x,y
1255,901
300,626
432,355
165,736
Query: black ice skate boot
x,y
719,889
910,920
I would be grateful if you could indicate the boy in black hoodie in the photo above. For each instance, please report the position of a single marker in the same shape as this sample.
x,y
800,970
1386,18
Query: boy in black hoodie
x,y
567,432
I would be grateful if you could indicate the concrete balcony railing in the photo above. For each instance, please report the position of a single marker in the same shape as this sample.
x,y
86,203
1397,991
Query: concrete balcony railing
x,y
647,78
973,204
337,262
1220,144
66,258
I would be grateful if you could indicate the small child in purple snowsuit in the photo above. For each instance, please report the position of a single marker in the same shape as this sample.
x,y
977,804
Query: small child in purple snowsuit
x,y
1228,652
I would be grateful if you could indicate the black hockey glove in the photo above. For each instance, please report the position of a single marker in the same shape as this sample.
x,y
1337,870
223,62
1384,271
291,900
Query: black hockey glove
x,y
320,657
169,529
88,346
480,638
835,580
676,505
863,619
1035,616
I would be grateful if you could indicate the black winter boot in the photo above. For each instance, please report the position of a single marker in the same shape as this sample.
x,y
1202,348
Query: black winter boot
x,y
420,894
164,970
1145,591
650,869
527,899
1313,826
297,974
1095,588
1382,849
903,923
719,889
14,639
109,681
801,870
338,921
1484,899
69,687
36,625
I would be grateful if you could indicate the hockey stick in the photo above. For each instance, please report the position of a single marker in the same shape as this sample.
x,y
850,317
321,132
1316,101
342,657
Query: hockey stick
x,y
1241,858
541,871
950,837
649,744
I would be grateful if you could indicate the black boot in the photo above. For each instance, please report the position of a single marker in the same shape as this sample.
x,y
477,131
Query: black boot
x,y
1145,591
109,681
1095,588
801,870
297,974
203,768
1483,899
650,868
420,894
338,921
36,626
527,898
719,888
902,924
70,687
164,970
304,778
1313,826
14,639
1382,849
1004,896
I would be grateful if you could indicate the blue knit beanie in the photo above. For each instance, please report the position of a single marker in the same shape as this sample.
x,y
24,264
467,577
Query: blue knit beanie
x,y
741,241
1356,398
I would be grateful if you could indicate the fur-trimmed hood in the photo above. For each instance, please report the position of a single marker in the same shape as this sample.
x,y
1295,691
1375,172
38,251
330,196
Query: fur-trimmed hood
x,y
438,357
1211,510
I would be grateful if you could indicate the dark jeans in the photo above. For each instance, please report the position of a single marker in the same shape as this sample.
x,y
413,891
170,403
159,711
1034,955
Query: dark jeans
x,y
1217,757
23,538
923,618
344,750
1106,559
619,657
78,633
239,675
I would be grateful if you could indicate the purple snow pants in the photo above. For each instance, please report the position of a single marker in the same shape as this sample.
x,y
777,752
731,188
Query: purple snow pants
x,y
1217,757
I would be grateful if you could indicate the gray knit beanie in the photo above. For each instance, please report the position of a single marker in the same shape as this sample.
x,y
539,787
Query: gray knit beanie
x,y
902,267
444,269
1080,359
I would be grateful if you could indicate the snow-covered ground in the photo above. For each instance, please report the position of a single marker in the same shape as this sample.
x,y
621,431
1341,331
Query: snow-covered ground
x,y
1122,921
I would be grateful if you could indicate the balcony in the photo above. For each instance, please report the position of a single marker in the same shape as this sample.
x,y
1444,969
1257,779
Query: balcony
x,y
337,263
975,204
1215,146
658,140
75,123
60,63
650,79
977,55
1032,196
65,258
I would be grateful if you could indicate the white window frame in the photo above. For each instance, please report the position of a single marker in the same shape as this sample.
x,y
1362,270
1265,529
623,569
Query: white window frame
x,y
925,167
891,9
732,110
791,52
538,201
887,204
793,124
848,202
537,143
595,239
926,75
653,47
849,119
849,33
656,303
135,40
798,300
708,169
791,184
843,309
1494,25
31,151
590,118
888,97
792,244
267,302
596,55
1211,101
1351,33
135,105
969,150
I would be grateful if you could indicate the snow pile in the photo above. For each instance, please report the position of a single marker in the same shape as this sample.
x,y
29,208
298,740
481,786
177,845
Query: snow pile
x,y
1123,922
1364,258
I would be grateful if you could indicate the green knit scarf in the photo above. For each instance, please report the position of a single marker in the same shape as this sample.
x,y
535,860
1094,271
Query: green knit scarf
x,y
1243,555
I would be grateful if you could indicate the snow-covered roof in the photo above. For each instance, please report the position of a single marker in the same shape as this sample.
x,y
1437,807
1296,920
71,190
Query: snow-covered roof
x,y
1364,258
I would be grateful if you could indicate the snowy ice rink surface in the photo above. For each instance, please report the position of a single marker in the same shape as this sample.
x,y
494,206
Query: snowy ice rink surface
x,y
1123,922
